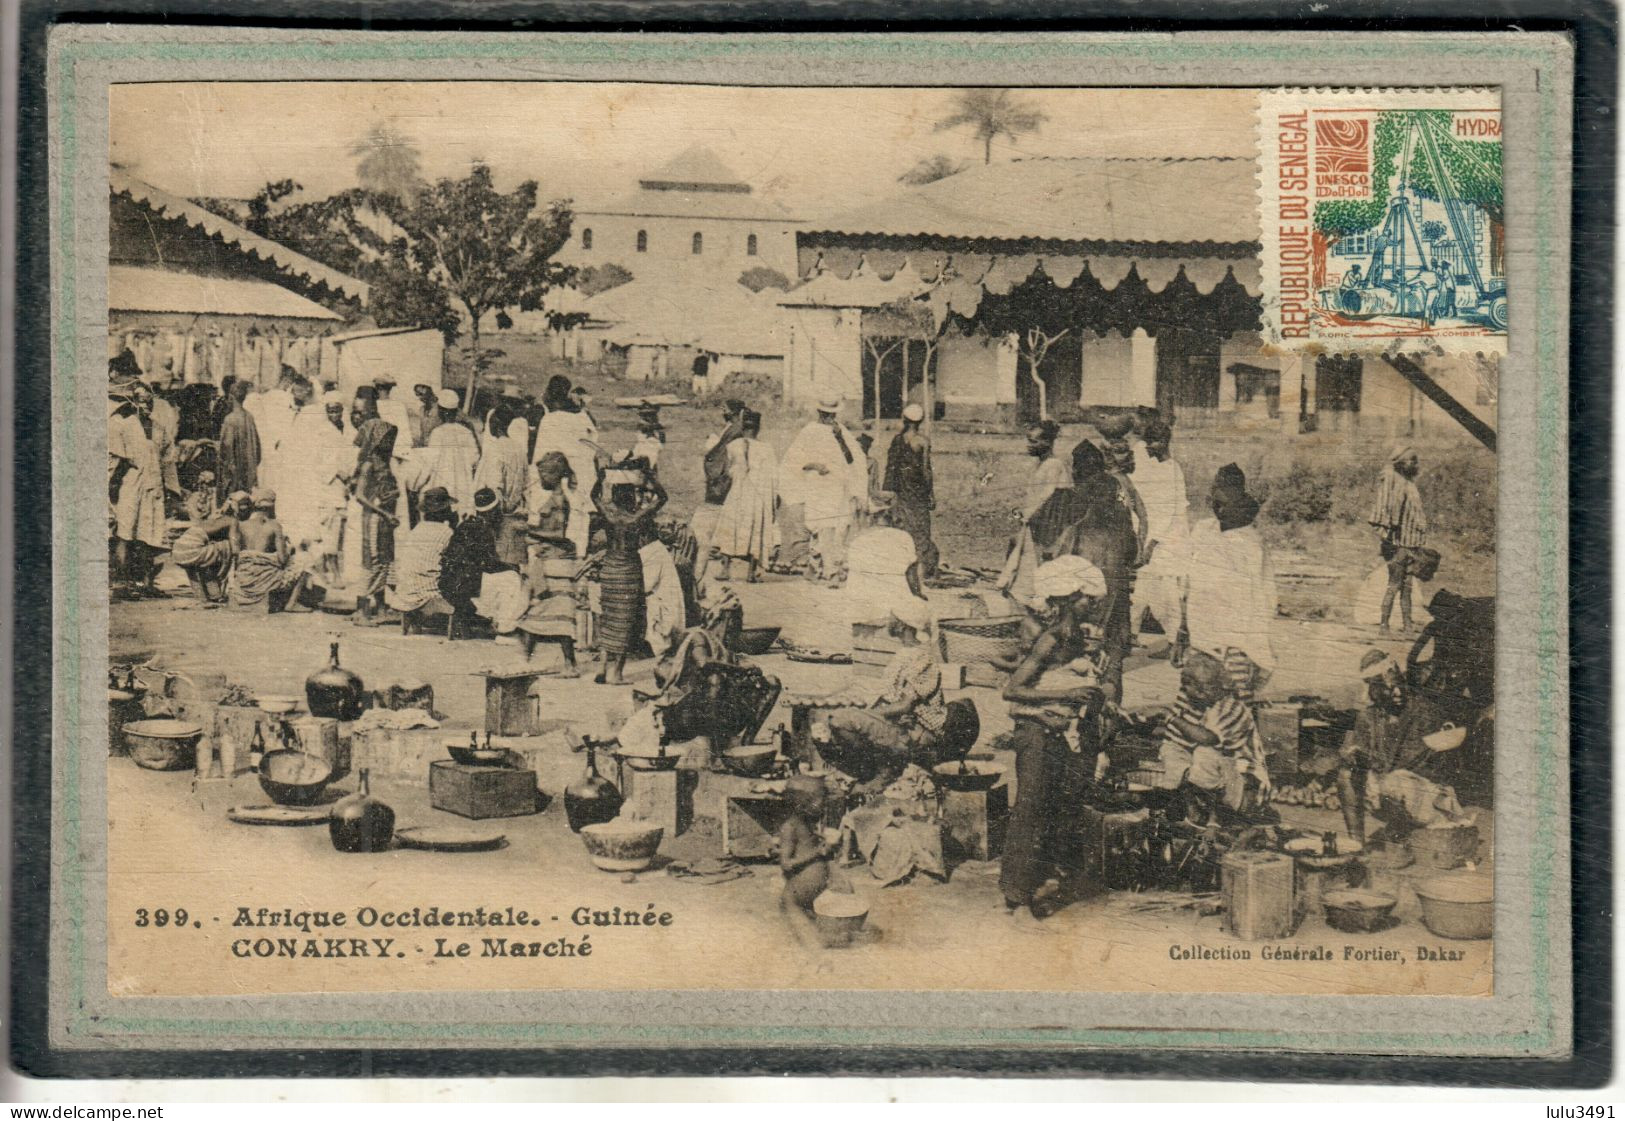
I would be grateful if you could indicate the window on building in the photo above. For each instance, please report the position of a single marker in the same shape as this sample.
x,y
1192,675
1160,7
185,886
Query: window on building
x,y
643,241
699,244
1354,245
586,239
750,246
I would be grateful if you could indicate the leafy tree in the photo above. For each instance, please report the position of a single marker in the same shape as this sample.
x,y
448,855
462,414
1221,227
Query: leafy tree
x,y
992,113
762,277
387,162
601,278
937,167
404,297
487,250
1434,230
1473,166
497,254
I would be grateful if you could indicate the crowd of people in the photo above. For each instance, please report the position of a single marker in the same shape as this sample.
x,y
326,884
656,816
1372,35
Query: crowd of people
x,y
517,523
522,523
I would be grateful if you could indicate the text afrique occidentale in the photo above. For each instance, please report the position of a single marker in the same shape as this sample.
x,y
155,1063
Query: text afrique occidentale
x,y
485,919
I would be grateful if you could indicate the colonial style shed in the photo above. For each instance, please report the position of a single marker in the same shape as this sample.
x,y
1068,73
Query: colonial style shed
x,y
192,291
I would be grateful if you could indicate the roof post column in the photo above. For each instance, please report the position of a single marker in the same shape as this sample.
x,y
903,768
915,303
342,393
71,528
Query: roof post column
x,y
1142,369
1291,393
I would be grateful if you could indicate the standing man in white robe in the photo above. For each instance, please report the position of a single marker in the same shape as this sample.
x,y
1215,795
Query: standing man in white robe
x,y
1161,482
825,467
313,452
273,413
452,453
1231,598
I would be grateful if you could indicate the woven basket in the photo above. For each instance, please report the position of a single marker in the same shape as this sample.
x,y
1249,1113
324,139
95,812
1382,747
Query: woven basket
x,y
965,641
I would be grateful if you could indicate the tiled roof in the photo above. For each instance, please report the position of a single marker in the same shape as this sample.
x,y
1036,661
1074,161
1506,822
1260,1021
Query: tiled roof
x,y
135,288
166,205
1177,201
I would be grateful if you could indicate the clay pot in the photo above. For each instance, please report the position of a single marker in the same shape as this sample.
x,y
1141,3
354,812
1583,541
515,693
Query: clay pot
x,y
360,822
622,846
592,801
334,692
163,745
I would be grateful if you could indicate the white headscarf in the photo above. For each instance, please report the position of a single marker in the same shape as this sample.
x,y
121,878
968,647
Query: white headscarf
x,y
1068,576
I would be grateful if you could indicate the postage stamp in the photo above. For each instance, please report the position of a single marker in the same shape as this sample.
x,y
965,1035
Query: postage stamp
x,y
947,554
1383,220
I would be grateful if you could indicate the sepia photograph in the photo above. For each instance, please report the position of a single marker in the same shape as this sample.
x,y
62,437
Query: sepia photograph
x,y
772,541
532,556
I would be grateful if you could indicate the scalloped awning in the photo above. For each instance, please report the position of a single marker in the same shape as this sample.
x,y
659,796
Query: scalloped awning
x,y
166,205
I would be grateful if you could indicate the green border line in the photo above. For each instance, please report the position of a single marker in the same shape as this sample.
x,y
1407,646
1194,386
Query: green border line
x,y
856,48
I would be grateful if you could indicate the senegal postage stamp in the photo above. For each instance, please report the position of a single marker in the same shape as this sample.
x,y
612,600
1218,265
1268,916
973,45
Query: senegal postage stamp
x,y
1383,220
738,543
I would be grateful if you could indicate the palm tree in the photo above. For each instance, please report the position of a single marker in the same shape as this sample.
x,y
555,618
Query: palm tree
x,y
388,162
992,113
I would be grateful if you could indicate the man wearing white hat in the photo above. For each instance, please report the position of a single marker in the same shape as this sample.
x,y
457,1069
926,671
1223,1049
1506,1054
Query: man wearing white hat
x,y
1055,699
824,468
451,454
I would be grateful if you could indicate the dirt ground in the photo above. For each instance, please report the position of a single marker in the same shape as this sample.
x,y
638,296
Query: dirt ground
x,y
166,851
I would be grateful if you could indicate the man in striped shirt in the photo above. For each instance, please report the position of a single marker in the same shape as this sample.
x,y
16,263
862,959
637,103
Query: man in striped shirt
x,y
1402,526
1211,741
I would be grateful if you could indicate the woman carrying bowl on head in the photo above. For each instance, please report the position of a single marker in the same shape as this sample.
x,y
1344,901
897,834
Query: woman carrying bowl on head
x,y
628,522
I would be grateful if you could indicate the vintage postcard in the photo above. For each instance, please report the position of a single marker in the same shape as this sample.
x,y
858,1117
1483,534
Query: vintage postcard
x,y
620,542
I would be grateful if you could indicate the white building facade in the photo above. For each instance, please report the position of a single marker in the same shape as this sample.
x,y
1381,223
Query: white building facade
x,y
691,220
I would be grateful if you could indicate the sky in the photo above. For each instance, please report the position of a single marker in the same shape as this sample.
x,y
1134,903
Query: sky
x,y
816,151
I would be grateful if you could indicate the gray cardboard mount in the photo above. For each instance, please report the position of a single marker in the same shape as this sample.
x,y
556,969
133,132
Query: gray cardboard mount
x,y
1529,1013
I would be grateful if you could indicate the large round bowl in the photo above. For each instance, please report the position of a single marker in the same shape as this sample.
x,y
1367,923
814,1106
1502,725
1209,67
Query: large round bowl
x,y
752,760
1458,906
163,745
622,846
967,776
639,762
1358,912
477,756
294,778
279,705
754,640
839,916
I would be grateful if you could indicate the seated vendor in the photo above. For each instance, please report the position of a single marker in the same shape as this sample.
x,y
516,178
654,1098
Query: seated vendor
x,y
473,578
1210,741
263,572
1385,759
204,552
883,586
872,736
416,579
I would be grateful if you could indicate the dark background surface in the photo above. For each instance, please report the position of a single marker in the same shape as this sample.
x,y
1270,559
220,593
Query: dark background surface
x,y
1592,23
